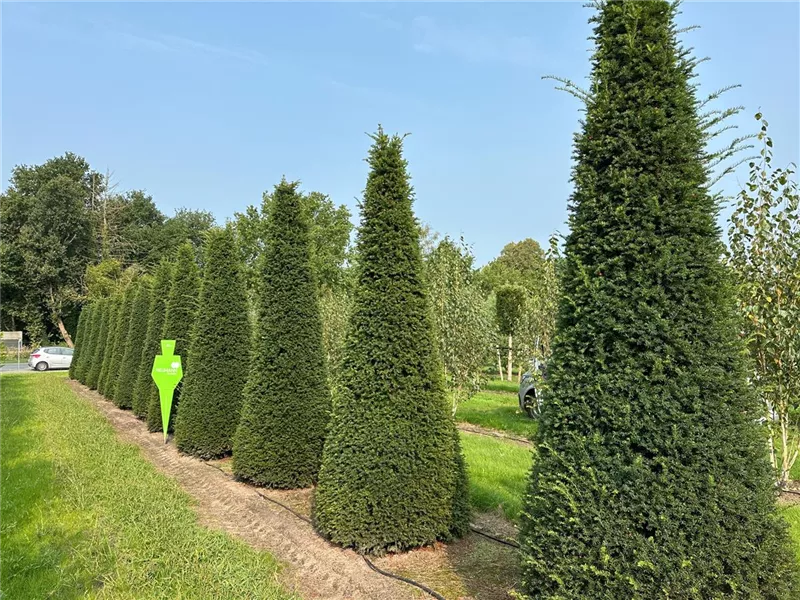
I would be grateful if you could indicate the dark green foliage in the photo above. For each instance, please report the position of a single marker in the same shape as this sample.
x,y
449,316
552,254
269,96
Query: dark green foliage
x,y
285,414
116,365
87,338
212,393
144,386
510,302
651,479
80,343
92,372
132,355
109,335
178,322
392,476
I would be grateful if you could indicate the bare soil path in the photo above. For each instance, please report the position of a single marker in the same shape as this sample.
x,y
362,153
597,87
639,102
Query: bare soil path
x,y
315,568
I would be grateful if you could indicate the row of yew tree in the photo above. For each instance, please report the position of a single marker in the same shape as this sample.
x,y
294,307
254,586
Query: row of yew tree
x,y
651,479
385,456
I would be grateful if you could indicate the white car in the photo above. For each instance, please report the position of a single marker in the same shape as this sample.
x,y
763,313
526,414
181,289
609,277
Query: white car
x,y
52,357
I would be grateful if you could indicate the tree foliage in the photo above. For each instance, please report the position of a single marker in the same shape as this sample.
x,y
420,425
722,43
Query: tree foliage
x,y
178,321
117,354
329,236
765,257
392,476
97,343
651,478
284,419
144,386
212,394
87,340
46,244
115,306
462,322
132,353
80,343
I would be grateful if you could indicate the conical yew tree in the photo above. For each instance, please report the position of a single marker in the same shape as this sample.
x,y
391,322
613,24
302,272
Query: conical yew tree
x,y
121,330
99,334
132,354
178,321
392,475
144,386
114,307
211,399
80,342
284,419
651,479
91,340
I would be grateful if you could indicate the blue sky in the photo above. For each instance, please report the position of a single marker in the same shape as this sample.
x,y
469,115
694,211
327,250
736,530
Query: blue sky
x,y
207,105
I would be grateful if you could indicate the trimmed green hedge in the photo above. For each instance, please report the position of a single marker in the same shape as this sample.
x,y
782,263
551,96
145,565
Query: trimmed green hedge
x,y
212,392
116,366
392,474
132,355
652,479
97,340
144,386
107,343
178,321
285,414
80,342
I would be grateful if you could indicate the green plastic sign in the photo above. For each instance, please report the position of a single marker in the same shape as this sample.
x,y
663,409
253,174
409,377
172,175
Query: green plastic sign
x,y
167,373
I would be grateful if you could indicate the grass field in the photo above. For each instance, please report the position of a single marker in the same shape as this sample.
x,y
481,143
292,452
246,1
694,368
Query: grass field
x,y
498,471
497,385
84,516
496,410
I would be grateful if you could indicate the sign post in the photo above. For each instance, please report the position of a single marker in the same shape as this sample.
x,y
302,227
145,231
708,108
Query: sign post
x,y
167,373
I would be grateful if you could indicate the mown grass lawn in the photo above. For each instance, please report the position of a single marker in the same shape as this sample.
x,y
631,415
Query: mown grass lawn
x,y
496,410
498,472
85,516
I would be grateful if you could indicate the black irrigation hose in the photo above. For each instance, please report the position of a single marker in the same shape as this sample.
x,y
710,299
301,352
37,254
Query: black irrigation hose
x,y
494,539
425,589
783,491
371,565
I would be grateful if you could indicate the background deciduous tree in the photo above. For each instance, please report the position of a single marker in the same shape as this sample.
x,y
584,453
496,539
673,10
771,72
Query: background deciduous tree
x,y
462,322
765,257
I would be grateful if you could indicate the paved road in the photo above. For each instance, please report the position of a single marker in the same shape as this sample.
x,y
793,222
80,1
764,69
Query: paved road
x,y
23,366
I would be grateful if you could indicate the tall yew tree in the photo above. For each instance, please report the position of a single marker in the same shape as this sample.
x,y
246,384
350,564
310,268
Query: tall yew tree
x,y
212,394
178,321
392,475
284,419
110,336
80,343
145,386
651,479
116,364
98,341
86,339
132,353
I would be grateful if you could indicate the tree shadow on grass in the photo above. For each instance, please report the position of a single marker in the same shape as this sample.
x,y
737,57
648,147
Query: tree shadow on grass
x,y
39,537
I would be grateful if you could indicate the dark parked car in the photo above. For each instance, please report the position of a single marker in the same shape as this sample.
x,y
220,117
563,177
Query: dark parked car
x,y
530,397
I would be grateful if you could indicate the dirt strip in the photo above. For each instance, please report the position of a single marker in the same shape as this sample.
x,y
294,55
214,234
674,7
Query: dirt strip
x,y
315,568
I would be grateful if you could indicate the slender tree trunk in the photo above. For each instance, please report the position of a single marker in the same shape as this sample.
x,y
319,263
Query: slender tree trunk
x,y
64,332
499,364
510,365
